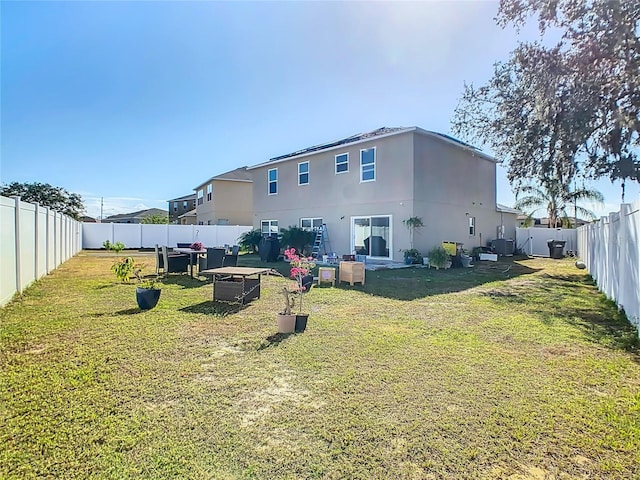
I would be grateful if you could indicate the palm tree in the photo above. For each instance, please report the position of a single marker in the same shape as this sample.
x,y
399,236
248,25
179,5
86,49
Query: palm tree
x,y
556,198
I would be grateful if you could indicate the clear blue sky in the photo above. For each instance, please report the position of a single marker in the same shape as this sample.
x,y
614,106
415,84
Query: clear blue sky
x,y
139,102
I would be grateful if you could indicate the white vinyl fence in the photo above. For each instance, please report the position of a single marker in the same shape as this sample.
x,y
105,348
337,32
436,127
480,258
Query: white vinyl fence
x,y
610,248
137,235
34,240
533,241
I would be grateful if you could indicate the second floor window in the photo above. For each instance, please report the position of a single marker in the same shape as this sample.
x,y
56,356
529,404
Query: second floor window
x,y
184,204
368,165
273,181
472,225
342,163
209,190
303,173
200,196
175,206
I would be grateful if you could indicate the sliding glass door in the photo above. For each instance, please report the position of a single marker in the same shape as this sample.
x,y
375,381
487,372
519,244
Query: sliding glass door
x,y
371,236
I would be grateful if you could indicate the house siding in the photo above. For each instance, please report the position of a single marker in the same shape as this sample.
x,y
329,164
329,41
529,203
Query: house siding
x,y
231,201
451,185
337,198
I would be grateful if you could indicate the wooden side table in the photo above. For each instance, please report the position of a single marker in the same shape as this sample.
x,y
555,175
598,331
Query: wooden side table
x,y
352,272
327,274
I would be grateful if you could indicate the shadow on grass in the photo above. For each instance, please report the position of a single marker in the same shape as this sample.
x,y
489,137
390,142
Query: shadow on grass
x,y
412,283
128,311
184,281
552,297
217,309
273,340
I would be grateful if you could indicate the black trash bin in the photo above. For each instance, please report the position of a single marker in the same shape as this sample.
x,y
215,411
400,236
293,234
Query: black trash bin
x,y
556,248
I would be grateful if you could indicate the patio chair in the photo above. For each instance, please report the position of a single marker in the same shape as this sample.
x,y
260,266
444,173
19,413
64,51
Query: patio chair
x,y
183,245
235,249
174,262
159,260
213,259
230,261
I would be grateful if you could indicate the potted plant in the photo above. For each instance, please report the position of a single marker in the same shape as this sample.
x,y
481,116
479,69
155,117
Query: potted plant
x,y
196,246
413,224
147,294
439,258
124,268
412,256
301,273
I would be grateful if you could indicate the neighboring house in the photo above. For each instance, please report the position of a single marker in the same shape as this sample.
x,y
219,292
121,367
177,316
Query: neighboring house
x,y
135,217
364,186
181,205
87,219
509,220
226,199
188,218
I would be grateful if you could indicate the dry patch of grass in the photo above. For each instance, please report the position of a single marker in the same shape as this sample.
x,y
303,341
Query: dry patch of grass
x,y
511,370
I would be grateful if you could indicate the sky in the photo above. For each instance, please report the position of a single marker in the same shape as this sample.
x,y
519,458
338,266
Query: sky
x,y
136,103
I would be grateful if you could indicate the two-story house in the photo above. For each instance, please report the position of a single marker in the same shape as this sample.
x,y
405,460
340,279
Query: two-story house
x,y
226,199
363,187
179,206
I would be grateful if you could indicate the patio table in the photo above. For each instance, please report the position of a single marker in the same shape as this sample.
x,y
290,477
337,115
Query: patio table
x,y
236,284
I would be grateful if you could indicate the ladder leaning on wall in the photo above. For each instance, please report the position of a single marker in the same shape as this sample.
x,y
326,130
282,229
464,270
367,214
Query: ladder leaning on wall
x,y
321,242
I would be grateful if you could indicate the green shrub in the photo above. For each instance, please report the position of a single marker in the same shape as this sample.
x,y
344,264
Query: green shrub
x,y
438,257
250,241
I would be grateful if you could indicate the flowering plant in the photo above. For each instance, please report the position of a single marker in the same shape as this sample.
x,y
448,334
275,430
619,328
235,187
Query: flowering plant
x,y
196,246
300,268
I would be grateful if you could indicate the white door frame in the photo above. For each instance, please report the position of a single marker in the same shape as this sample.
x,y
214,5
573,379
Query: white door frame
x,y
352,239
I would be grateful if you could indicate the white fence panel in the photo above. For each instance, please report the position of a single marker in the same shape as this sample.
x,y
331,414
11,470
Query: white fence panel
x,y
153,235
33,241
533,241
148,235
8,278
127,233
610,248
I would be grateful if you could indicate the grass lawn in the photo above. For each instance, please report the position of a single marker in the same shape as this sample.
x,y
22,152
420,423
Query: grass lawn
x,y
517,369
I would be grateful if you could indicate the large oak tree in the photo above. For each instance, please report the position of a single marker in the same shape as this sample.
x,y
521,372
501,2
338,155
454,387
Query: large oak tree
x,y
574,107
46,195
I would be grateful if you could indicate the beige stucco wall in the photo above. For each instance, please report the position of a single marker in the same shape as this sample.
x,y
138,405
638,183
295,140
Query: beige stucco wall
x,y
231,200
336,198
444,185
451,185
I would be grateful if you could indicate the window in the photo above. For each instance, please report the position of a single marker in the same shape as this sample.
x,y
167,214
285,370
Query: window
x,y
273,181
303,173
269,226
472,225
310,223
209,190
368,165
184,205
208,222
342,163
200,195
175,206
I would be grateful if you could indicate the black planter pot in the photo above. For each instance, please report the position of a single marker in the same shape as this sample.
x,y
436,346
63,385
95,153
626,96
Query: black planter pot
x,y
301,322
147,298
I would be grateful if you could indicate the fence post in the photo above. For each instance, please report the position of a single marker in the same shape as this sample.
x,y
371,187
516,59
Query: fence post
x,y
623,266
46,240
18,241
37,235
